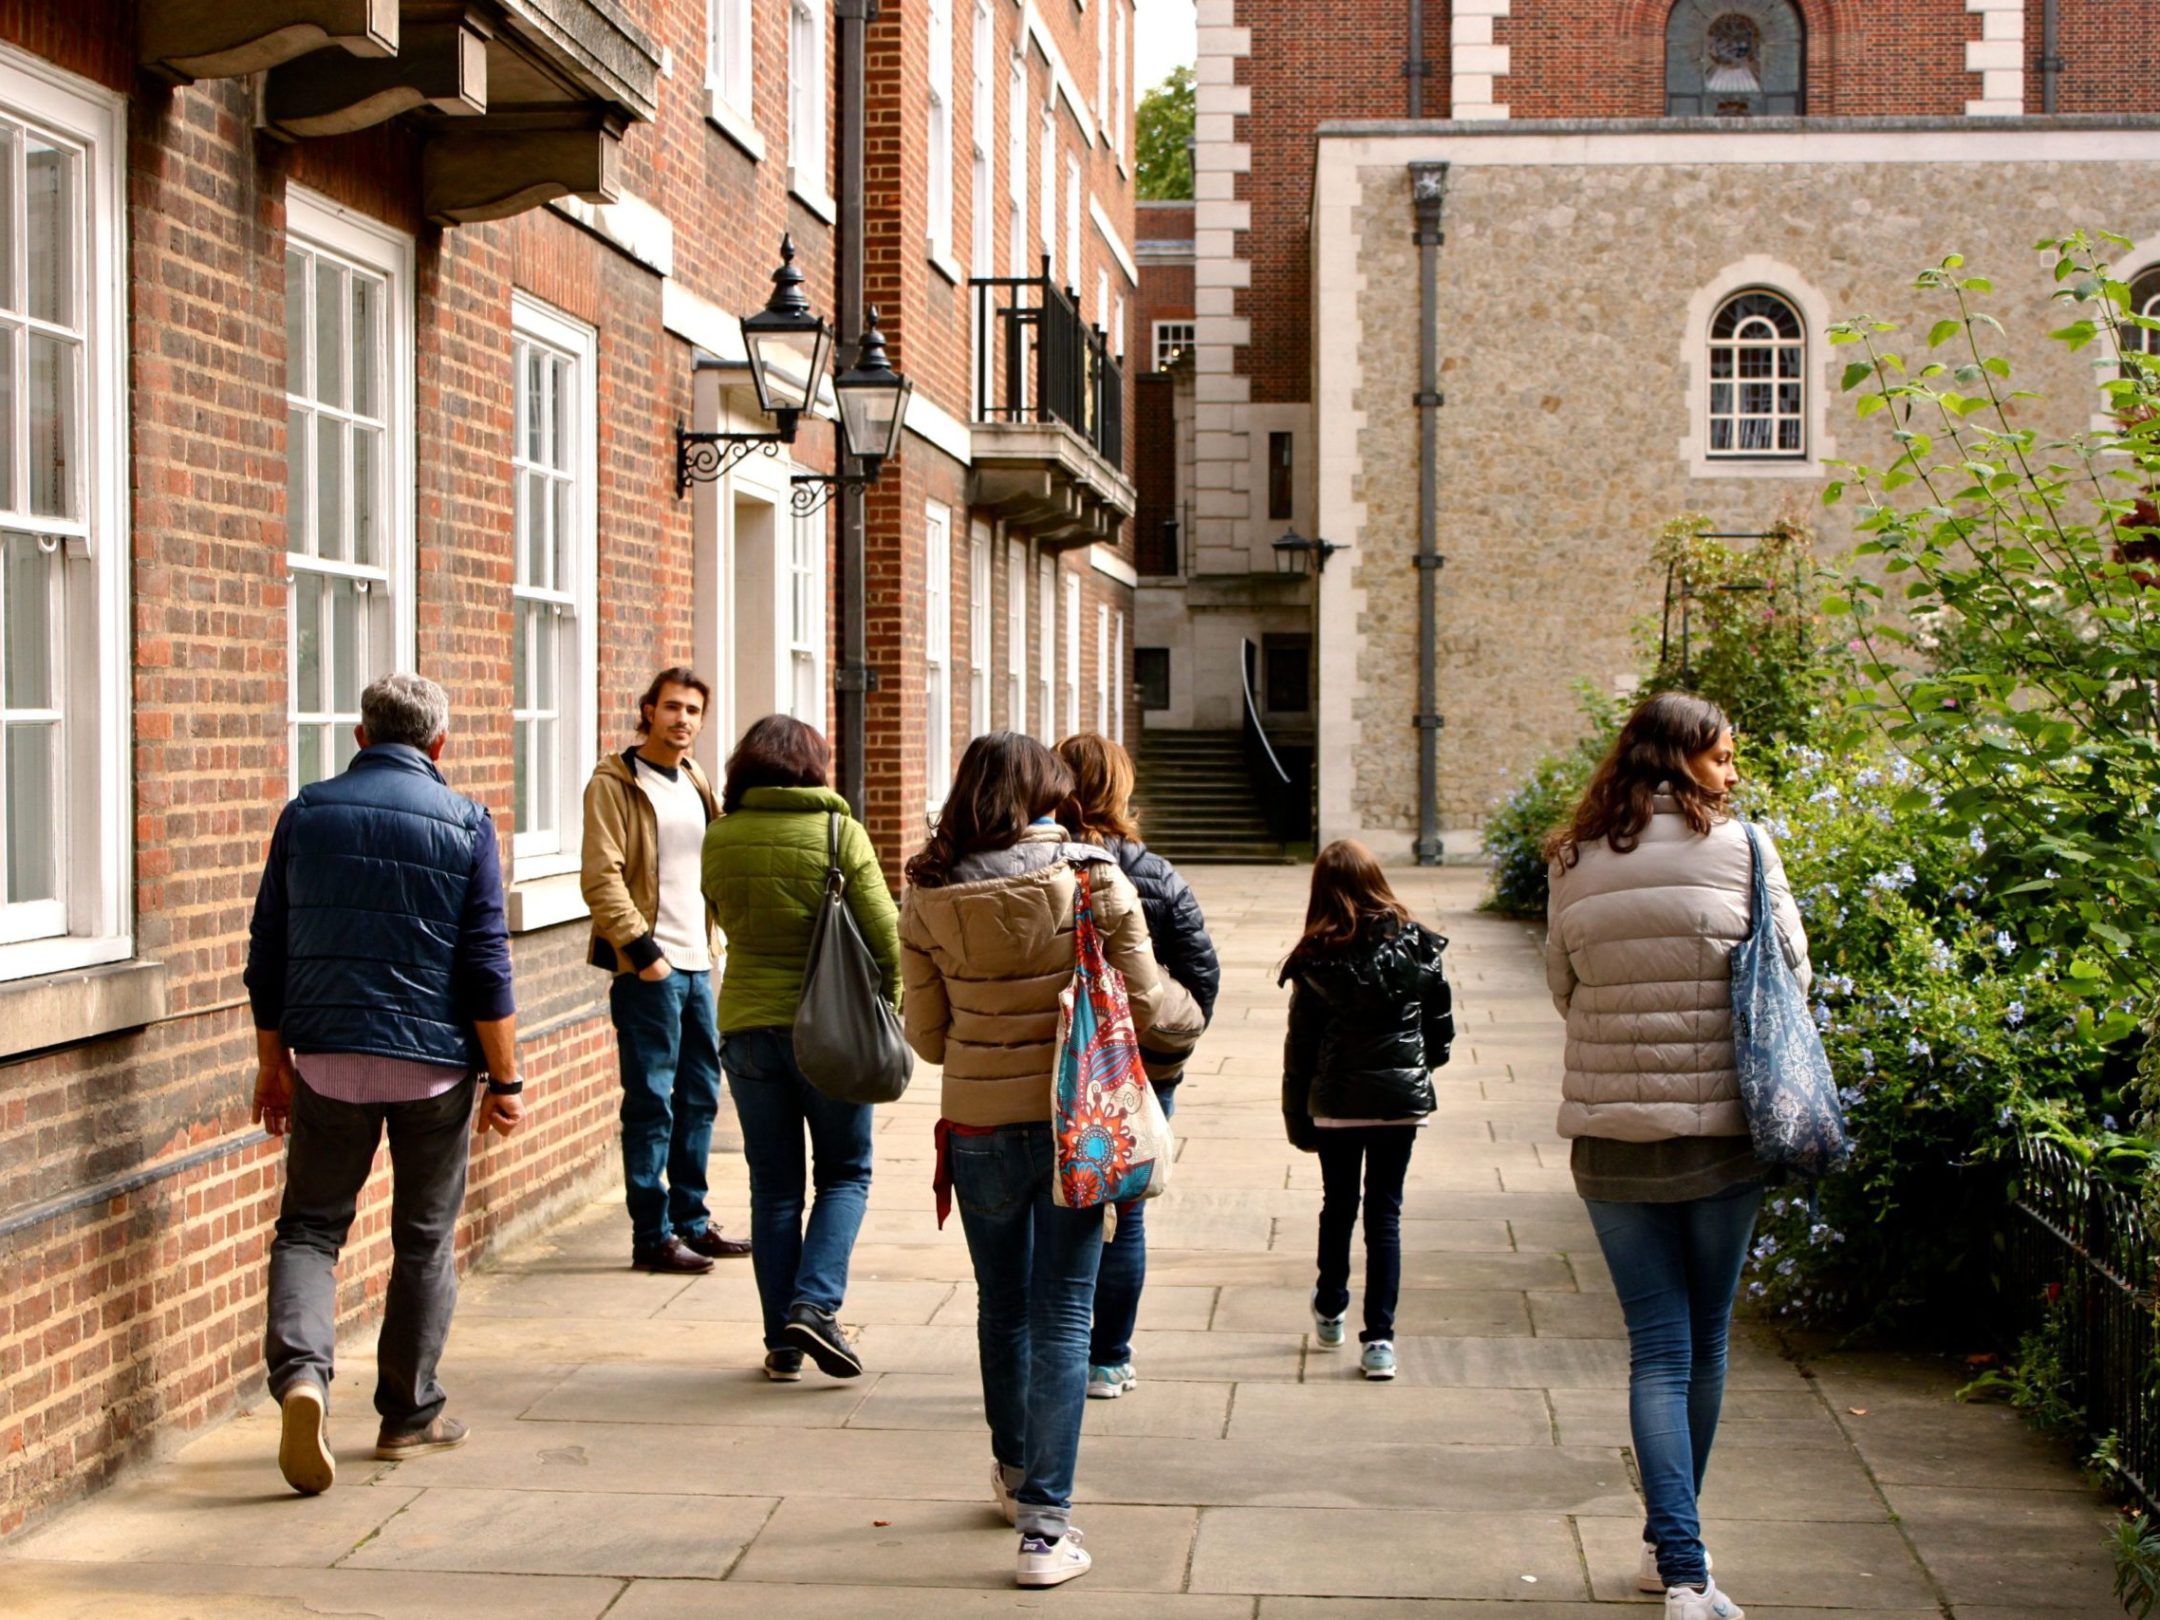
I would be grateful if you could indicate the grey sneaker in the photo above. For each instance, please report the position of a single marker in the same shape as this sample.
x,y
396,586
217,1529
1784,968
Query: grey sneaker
x,y
1328,1330
444,1434
304,1440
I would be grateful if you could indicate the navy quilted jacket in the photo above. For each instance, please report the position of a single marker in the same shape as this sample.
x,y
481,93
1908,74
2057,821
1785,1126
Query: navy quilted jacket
x,y
379,925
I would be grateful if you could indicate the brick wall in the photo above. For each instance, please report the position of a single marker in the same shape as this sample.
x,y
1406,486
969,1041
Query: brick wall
x,y
2107,53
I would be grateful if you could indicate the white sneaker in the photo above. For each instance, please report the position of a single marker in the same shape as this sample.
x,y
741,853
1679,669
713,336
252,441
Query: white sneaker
x,y
1052,1563
1647,1579
1107,1383
304,1440
1328,1331
1685,1603
1001,1492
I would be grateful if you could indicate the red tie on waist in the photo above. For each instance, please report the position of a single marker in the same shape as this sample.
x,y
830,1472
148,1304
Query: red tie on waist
x,y
941,1177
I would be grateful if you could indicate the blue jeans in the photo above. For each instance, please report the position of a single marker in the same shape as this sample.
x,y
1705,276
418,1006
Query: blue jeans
x,y
670,1052
1123,1274
775,1103
1034,1293
1677,1268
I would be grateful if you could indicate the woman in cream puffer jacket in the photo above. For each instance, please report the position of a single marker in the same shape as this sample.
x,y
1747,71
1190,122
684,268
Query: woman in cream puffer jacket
x,y
1652,887
986,947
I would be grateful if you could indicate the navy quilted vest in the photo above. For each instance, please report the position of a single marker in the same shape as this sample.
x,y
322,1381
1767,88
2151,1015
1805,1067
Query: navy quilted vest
x,y
378,862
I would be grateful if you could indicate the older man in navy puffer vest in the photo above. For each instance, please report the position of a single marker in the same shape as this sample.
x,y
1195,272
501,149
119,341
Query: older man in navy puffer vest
x,y
379,971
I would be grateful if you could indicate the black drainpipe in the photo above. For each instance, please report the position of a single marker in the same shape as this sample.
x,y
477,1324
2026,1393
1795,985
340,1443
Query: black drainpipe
x,y
2051,65
1417,67
1428,190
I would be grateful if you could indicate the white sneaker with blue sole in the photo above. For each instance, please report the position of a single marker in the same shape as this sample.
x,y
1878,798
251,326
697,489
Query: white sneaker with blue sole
x,y
1378,1360
1108,1383
1328,1331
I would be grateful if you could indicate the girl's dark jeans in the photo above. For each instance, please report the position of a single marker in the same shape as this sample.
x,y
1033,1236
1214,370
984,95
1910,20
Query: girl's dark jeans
x,y
1381,1153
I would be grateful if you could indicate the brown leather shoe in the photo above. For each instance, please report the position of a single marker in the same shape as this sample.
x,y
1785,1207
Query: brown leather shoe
x,y
671,1256
443,1434
713,1246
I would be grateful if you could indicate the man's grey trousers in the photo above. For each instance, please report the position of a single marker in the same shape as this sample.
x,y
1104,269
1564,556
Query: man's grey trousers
x,y
326,1163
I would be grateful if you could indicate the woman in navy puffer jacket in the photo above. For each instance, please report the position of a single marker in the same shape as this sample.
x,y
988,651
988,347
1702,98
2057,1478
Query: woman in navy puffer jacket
x,y
1100,812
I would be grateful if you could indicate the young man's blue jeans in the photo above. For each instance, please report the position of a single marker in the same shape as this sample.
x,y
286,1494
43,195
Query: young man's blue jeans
x,y
1034,1293
669,1046
1677,1268
775,1105
1123,1274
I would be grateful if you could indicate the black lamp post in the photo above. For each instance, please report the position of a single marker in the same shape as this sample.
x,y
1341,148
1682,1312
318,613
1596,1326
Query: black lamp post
x,y
1294,554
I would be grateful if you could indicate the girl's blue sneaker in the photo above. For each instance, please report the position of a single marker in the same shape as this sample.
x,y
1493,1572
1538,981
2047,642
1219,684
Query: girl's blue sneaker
x,y
1327,1329
1378,1360
1108,1383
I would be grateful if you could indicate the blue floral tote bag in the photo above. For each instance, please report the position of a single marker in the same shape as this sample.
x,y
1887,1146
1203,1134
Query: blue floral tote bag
x,y
1785,1081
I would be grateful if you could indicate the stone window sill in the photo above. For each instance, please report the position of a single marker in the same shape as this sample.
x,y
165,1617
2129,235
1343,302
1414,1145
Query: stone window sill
x,y
61,1008
736,126
812,196
545,902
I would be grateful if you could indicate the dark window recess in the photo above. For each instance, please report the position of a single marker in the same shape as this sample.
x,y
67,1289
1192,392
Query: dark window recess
x,y
1151,673
1278,475
1735,59
1286,674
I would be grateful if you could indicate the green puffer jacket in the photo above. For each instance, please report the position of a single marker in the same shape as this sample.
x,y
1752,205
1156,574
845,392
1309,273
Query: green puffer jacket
x,y
764,875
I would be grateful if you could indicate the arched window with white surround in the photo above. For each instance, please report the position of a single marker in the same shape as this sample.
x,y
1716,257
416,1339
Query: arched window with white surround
x,y
2145,301
1757,376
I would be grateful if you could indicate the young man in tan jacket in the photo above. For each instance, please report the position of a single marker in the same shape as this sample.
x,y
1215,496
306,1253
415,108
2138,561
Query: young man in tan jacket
x,y
646,810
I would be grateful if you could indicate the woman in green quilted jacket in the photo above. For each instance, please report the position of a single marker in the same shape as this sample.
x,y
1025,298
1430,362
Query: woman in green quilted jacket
x,y
764,873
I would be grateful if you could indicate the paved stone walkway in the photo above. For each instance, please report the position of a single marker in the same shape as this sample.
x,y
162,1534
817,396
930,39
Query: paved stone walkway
x,y
628,1460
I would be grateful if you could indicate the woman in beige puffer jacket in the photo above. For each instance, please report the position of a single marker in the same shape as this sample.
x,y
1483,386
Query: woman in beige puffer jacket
x,y
1652,888
986,947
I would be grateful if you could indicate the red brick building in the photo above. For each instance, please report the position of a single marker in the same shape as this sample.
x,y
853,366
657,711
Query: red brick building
x,y
1368,370
351,335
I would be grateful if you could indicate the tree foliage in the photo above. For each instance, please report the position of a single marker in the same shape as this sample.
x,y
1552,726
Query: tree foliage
x,y
1163,164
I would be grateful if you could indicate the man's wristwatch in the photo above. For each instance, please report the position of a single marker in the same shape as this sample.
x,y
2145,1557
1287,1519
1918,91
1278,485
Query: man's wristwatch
x,y
504,1088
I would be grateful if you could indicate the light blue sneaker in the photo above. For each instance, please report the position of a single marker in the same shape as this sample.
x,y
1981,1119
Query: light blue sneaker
x,y
1108,1383
1328,1330
1378,1360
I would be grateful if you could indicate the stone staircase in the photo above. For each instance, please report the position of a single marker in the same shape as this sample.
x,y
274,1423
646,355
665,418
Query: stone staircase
x,y
1196,803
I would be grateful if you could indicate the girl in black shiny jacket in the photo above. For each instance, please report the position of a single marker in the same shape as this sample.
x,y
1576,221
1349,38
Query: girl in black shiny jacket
x,y
1371,1016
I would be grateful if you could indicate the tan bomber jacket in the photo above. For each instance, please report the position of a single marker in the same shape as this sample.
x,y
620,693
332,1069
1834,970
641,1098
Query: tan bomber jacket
x,y
621,877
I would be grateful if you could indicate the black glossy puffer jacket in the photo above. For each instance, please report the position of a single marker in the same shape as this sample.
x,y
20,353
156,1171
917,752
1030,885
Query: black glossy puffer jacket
x,y
1368,1025
1175,926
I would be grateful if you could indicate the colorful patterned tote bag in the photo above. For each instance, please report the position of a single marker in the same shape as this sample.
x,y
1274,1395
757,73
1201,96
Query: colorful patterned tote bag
x,y
1111,1136
1785,1081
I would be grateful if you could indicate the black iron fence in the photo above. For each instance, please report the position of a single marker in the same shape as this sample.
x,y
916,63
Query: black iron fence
x,y
1037,360
2082,1271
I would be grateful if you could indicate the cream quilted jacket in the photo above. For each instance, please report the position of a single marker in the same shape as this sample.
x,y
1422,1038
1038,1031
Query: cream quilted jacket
x,y
983,963
1638,955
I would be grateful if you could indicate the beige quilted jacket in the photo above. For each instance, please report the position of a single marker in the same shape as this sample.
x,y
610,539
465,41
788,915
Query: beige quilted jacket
x,y
1638,955
983,963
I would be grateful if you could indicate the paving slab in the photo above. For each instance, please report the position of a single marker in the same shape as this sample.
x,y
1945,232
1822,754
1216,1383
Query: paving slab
x,y
528,1532
1400,1553
964,1544
1486,1312
764,1600
1361,1415
1855,1567
166,1517
134,1589
2038,1552
673,1396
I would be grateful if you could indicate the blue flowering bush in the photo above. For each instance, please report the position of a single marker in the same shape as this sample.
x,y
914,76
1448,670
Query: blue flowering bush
x,y
1954,1024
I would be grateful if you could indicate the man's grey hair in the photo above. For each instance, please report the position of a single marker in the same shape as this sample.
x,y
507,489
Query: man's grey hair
x,y
404,709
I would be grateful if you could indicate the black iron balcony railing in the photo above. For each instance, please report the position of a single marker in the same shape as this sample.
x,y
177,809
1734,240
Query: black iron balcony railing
x,y
1037,360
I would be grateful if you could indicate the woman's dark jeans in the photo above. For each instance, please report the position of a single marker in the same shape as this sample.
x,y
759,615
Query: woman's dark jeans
x,y
1677,1268
1034,1292
775,1105
1123,1274
1382,1154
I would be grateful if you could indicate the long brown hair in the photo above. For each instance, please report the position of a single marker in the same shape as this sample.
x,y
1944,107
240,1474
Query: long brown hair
x,y
1100,806
1649,757
778,751
1349,892
1005,781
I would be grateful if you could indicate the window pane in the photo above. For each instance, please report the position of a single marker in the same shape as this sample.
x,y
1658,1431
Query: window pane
x,y
521,774
53,425
539,510
1754,362
49,230
534,362
28,632
345,646
366,497
7,410
329,334
546,748
1721,398
1721,362
343,745
1788,398
7,212
565,531
1721,433
558,444
296,323
546,650
520,667
1788,435
32,830
1788,362
307,643
308,745
299,435
329,487
366,318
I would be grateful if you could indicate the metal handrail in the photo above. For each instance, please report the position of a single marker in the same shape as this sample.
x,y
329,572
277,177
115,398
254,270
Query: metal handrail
x,y
1249,656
